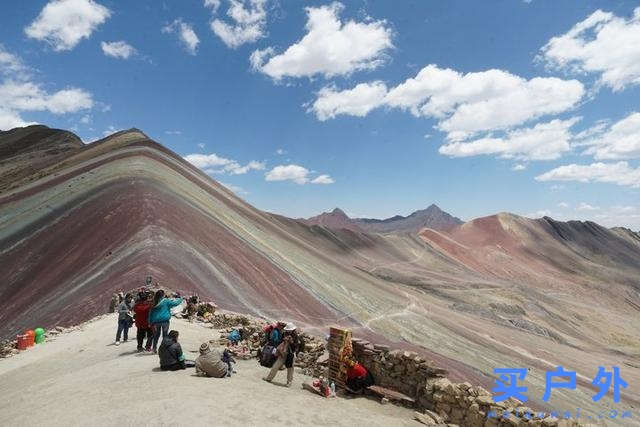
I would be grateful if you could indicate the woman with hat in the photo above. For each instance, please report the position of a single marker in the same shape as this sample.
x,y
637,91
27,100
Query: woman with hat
x,y
290,346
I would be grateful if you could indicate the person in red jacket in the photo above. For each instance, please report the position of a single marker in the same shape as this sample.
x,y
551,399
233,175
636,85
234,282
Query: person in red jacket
x,y
358,378
141,311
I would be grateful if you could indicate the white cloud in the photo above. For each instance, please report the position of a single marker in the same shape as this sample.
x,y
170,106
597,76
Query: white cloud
x,y
330,47
297,174
86,119
586,207
294,173
119,49
538,214
617,173
322,179
613,216
213,4
29,96
63,23
248,22
214,164
354,102
20,93
10,119
110,131
463,104
11,64
518,167
173,132
280,152
620,141
185,33
604,44
544,141
201,145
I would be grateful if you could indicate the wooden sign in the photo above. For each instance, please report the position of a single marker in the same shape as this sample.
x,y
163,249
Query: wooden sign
x,y
339,350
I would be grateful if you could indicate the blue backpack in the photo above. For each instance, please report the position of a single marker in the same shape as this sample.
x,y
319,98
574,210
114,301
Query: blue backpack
x,y
235,336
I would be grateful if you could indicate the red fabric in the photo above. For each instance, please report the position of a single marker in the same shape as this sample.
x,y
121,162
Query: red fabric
x,y
357,371
141,310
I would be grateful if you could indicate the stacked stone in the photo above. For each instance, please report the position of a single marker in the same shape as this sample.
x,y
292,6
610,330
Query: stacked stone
x,y
235,321
8,348
439,400
252,331
206,309
469,406
311,361
404,371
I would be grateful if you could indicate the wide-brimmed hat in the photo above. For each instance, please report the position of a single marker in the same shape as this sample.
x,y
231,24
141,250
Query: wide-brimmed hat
x,y
204,348
290,327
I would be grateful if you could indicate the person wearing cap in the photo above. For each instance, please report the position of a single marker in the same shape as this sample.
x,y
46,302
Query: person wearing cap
x,y
287,350
209,363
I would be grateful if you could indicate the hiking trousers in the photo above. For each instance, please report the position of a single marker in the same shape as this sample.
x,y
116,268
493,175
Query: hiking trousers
x,y
157,329
144,332
276,367
123,327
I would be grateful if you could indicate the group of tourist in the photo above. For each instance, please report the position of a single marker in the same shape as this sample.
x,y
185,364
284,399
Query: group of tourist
x,y
151,313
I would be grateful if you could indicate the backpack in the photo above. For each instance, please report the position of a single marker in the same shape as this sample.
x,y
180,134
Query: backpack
x,y
267,358
235,336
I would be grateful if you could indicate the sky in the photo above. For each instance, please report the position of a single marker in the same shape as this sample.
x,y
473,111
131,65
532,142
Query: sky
x,y
377,107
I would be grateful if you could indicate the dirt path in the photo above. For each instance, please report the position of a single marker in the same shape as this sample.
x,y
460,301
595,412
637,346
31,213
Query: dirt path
x,y
81,378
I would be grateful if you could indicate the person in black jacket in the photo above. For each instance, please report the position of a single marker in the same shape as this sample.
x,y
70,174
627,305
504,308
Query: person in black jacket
x,y
170,353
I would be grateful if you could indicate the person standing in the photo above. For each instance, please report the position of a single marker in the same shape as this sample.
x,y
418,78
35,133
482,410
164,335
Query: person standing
x,y
124,318
286,351
160,315
141,313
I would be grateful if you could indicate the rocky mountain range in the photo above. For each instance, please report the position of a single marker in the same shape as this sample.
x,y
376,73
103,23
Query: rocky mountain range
x,y
78,222
431,217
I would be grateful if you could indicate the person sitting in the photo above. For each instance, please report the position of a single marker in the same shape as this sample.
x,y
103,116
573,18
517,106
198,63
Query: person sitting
x,y
209,363
170,353
358,378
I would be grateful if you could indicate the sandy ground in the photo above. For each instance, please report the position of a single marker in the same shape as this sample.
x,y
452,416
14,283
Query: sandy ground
x,y
81,378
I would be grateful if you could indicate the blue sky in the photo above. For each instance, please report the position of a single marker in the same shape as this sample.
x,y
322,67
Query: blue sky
x,y
380,108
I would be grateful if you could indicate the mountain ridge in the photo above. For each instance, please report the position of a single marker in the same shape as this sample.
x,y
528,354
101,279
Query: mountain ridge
x,y
104,216
430,217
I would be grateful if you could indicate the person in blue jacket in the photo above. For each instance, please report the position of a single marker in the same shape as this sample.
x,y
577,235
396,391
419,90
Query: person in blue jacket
x,y
160,315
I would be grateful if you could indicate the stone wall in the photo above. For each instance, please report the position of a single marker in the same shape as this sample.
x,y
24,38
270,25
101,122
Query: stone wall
x,y
439,400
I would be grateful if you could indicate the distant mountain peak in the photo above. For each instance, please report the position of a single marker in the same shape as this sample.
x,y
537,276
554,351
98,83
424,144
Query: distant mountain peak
x,y
338,211
430,217
336,219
